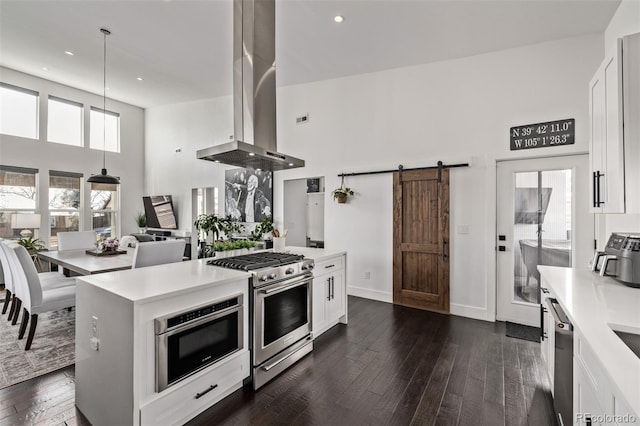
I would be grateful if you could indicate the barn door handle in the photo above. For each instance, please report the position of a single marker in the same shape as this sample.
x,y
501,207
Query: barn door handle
x,y
444,249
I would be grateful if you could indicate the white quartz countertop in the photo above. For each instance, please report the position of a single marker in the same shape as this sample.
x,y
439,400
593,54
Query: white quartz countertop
x,y
592,303
317,254
144,285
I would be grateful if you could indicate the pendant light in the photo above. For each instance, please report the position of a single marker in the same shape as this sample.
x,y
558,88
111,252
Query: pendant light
x,y
103,177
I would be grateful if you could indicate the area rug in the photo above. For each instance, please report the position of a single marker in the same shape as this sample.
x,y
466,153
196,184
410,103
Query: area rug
x,y
524,332
53,347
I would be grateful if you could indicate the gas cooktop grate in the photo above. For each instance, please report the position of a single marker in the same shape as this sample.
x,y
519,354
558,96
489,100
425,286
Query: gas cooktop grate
x,y
250,262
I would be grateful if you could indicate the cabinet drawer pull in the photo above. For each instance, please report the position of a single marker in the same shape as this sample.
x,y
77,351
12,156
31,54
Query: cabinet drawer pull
x,y
332,289
206,391
328,288
329,266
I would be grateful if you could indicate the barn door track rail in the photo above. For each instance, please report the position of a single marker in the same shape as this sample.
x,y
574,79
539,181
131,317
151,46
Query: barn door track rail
x,y
401,169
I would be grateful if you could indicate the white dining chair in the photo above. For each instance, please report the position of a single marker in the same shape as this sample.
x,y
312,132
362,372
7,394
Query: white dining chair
x,y
76,240
9,298
48,280
36,299
158,253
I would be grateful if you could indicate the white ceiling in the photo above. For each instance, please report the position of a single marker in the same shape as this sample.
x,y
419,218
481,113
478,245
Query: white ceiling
x,y
182,48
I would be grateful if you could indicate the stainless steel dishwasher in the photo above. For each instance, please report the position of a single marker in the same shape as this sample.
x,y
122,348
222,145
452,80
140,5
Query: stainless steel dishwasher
x,y
563,364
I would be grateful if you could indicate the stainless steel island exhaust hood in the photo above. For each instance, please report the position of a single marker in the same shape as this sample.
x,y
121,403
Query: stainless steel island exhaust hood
x,y
254,92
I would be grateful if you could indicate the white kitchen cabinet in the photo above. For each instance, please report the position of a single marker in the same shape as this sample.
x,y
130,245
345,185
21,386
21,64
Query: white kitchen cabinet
x,y
596,398
586,406
614,97
606,150
329,294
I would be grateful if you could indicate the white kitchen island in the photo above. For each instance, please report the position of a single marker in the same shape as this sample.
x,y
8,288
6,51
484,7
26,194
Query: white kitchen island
x,y
606,373
116,348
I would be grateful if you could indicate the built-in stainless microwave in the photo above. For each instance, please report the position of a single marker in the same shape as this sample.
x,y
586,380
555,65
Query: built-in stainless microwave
x,y
190,340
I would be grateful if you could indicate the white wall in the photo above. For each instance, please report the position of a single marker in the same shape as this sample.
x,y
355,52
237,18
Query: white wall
x,y
454,111
295,220
625,21
173,135
45,156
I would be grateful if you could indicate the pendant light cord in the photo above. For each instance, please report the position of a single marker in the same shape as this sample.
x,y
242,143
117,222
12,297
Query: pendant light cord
x,y
105,32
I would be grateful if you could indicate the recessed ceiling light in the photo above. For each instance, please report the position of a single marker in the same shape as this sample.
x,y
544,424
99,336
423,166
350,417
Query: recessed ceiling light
x,y
290,164
251,154
338,18
216,161
139,78
45,69
68,52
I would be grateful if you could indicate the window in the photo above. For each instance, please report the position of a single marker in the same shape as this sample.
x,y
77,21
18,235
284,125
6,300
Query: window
x,y
18,111
104,209
108,140
64,203
18,194
65,121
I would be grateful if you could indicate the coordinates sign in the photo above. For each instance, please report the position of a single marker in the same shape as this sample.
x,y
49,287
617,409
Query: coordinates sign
x,y
543,135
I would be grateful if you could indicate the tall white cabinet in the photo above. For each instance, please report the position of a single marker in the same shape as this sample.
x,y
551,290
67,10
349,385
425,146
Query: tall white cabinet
x,y
614,110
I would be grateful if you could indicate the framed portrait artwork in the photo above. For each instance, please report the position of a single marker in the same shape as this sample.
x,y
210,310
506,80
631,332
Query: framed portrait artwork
x,y
248,194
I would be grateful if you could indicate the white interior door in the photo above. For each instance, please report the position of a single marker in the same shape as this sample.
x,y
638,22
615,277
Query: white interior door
x,y
542,219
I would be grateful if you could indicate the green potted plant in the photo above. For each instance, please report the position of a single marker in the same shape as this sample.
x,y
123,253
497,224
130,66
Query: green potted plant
x,y
230,226
341,194
229,248
141,221
264,227
206,223
32,245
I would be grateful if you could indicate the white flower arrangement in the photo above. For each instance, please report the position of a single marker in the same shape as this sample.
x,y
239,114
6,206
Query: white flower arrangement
x,y
109,244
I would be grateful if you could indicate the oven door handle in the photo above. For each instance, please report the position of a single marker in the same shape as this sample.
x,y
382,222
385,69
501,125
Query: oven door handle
x,y
202,320
274,364
296,283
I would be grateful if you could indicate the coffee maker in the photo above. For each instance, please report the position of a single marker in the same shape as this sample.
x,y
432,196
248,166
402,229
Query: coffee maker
x,y
620,259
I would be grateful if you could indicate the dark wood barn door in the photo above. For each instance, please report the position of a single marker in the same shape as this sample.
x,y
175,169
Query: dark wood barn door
x,y
421,239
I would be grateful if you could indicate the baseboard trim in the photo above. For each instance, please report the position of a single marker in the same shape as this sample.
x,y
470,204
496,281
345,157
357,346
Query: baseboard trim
x,y
470,312
454,308
381,296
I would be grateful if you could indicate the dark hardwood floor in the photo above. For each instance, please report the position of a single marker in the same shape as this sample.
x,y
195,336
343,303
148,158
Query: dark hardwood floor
x,y
390,365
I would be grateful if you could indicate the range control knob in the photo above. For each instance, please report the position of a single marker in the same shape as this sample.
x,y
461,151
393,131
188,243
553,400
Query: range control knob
x,y
307,266
289,271
272,276
264,278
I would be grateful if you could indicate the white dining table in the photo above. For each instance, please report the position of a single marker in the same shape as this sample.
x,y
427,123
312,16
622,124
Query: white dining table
x,y
82,263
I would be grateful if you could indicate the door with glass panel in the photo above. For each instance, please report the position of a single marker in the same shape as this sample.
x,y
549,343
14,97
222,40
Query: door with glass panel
x,y
542,219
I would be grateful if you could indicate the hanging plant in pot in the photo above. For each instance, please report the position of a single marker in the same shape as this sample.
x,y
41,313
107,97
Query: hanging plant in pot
x,y
341,194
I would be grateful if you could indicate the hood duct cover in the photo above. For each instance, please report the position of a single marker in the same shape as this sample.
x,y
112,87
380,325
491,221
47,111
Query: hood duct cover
x,y
254,92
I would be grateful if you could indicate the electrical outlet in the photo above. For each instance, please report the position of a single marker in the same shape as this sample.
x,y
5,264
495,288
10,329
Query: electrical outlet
x,y
302,119
94,325
367,275
463,229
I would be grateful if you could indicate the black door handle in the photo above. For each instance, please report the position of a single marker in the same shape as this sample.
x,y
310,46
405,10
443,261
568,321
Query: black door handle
x,y
598,175
595,185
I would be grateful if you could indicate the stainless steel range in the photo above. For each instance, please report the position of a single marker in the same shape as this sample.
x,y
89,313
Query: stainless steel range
x,y
280,307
